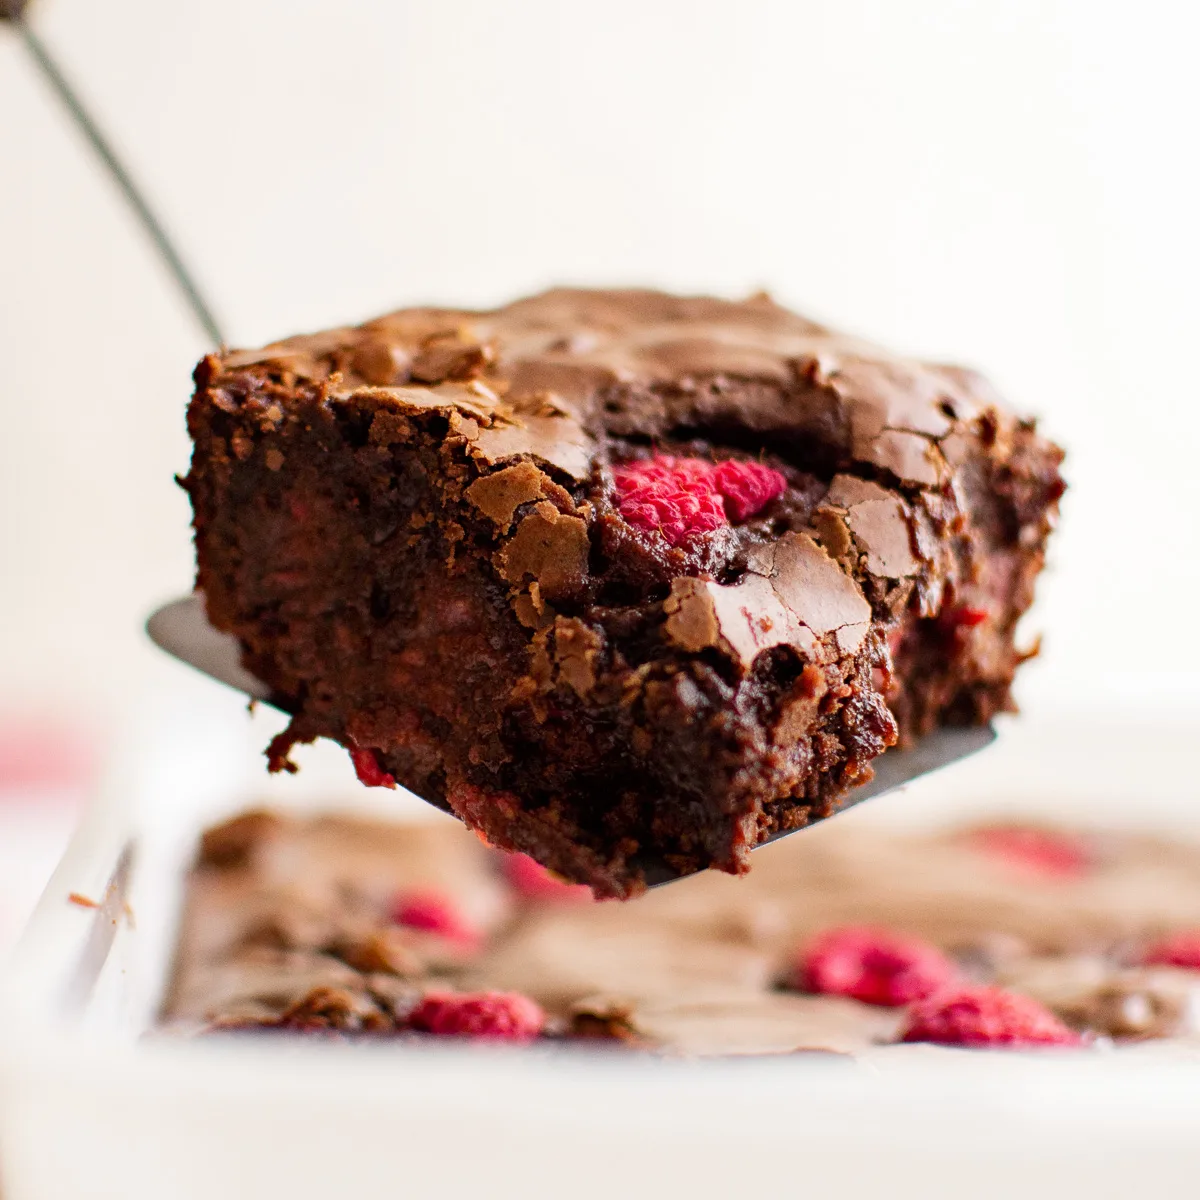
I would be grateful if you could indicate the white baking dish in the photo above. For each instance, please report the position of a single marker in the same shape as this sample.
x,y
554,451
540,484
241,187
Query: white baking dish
x,y
91,1107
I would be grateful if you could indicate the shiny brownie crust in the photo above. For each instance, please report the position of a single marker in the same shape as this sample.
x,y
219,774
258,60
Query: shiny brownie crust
x,y
416,530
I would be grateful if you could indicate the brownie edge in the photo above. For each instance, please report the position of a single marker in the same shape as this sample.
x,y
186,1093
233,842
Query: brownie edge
x,y
616,577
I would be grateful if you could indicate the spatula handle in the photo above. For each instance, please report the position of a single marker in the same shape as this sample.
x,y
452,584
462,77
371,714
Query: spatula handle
x,y
13,12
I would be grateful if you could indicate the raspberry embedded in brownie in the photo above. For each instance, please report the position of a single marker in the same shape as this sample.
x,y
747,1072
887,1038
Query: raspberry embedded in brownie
x,y
681,499
617,578
986,1016
876,966
491,1016
844,940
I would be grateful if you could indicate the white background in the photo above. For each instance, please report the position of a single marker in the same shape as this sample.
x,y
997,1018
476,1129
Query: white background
x,y
1009,185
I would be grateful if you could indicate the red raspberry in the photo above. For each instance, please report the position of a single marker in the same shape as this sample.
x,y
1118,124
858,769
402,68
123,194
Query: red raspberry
x,y
679,517
985,1016
531,880
433,913
1040,851
683,497
875,966
747,487
673,495
497,1016
1180,949
368,770
962,617
667,469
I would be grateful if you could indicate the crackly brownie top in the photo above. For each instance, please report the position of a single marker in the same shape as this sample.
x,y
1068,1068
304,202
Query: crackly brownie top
x,y
543,376
841,940
843,461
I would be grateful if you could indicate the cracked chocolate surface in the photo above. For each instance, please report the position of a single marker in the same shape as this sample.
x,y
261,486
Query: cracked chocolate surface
x,y
412,528
288,924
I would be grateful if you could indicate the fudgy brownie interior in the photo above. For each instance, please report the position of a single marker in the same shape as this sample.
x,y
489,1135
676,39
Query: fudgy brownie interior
x,y
616,577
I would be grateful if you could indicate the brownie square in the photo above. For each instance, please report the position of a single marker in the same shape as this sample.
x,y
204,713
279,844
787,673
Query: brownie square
x,y
618,578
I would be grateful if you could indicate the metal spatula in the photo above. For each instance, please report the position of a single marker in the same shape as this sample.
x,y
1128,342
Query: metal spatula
x,y
182,629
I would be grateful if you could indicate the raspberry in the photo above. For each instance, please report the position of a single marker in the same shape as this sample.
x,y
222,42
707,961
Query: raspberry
x,y
1176,950
498,1016
672,495
368,770
985,1016
957,621
679,518
1040,851
962,617
685,497
531,880
747,487
875,966
433,913
666,469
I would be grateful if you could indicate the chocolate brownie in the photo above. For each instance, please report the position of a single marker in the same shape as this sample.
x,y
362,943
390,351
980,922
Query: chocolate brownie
x,y
618,578
838,941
